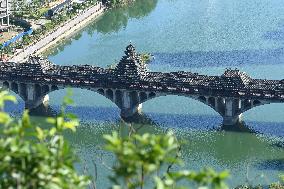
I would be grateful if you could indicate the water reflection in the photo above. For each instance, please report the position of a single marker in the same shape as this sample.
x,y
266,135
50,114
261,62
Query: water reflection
x,y
43,111
114,20
274,164
206,142
141,119
239,127
182,37
161,119
111,21
218,149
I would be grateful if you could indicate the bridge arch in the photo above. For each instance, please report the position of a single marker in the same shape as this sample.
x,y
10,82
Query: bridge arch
x,y
23,90
118,98
143,96
134,96
45,89
54,87
208,101
212,102
15,108
38,90
202,99
6,85
101,91
267,118
34,94
14,87
109,94
248,104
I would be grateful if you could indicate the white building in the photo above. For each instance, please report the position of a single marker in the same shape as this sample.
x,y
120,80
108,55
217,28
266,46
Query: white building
x,y
4,13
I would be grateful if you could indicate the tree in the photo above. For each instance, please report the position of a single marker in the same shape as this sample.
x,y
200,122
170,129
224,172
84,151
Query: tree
x,y
36,158
140,157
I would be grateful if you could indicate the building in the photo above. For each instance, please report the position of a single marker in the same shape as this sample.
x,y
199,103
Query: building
x,y
4,14
79,1
55,10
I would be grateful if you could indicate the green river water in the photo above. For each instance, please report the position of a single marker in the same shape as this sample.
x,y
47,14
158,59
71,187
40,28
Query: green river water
x,y
205,36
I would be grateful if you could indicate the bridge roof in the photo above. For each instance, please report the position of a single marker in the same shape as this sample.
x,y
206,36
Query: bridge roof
x,y
131,74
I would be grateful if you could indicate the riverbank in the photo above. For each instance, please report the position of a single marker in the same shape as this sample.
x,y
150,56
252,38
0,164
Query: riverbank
x,y
60,33
121,3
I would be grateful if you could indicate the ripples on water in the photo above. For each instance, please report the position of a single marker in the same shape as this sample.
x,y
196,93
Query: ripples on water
x,y
199,36
258,148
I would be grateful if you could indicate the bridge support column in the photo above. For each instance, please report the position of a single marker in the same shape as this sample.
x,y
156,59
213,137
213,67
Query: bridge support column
x,y
32,104
216,103
231,116
33,101
129,105
232,120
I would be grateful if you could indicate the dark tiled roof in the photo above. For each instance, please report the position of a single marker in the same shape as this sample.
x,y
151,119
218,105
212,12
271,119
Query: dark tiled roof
x,y
130,73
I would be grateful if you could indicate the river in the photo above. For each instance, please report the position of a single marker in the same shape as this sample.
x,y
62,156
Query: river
x,y
204,36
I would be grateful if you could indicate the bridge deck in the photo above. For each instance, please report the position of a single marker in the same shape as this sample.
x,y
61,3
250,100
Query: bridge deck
x,y
232,83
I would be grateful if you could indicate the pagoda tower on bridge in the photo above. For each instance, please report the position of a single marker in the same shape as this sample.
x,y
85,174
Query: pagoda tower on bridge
x,y
131,66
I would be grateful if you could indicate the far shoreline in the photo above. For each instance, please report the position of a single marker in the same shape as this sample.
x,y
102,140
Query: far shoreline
x,y
68,35
68,28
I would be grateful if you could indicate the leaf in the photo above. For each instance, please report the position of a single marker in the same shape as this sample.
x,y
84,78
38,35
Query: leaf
x,y
4,97
67,100
159,183
40,134
4,118
224,174
51,120
52,131
70,116
59,122
26,119
71,125
10,98
27,163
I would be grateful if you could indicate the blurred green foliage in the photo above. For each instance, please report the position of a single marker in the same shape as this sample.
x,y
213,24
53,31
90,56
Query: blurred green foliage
x,y
142,159
32,157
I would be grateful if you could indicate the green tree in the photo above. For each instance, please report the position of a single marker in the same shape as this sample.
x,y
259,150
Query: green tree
x,y
36,158
140,157
33,157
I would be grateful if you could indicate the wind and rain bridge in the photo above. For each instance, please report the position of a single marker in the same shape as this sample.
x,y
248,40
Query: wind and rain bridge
x,y
130,84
